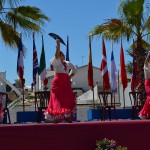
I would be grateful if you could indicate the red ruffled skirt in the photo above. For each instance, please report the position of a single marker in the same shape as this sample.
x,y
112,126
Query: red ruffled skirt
x,y
62,99
146,108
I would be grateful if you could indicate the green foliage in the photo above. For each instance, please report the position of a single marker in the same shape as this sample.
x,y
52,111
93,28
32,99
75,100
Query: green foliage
x,y
106,144
30,97
133,23
16,19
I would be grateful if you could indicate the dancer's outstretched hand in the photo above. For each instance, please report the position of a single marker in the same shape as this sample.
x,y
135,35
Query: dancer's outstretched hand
x,y
57,41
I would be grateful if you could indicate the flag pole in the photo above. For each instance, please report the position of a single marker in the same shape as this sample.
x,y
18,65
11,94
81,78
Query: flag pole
x,y
20,66
118,87
123,75
67,50
90,71
124,100
93,99
34,94
23,98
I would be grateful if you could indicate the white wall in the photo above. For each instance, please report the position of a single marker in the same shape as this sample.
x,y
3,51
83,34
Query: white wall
x,y
87,98
126,97
81,78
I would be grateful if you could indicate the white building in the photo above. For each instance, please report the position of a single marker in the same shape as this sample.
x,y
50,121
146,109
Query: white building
x,y
80,81
85,95
2,82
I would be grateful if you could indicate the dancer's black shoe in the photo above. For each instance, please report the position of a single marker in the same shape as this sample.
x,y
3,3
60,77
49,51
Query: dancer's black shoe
x,y
68,120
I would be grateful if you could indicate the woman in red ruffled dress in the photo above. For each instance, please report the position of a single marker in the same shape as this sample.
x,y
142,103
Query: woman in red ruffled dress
x,y
145,112
62,102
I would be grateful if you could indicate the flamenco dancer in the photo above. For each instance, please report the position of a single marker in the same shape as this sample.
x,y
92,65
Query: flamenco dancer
x,y
145,112
62,99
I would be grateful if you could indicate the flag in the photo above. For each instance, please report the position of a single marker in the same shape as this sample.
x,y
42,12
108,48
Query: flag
x,y
104,69
135,81
20,63
67,51
113,72
35,62
42,67
123,75
90,67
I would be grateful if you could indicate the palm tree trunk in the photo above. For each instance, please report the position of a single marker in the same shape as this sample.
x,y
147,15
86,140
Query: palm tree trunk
x,y
140,61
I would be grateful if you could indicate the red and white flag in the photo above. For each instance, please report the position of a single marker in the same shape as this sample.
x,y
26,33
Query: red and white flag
x,y
104,69
123,74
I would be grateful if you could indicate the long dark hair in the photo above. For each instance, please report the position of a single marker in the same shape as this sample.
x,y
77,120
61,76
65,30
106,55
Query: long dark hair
x,y
61,53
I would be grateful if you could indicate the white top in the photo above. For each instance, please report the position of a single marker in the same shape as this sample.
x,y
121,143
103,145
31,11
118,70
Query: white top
x,y
59,67
147,71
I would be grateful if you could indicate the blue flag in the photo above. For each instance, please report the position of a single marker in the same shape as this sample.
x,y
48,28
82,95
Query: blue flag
x,y
67,51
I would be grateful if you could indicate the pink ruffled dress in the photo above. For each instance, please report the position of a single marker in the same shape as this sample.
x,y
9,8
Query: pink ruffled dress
x,y
145,112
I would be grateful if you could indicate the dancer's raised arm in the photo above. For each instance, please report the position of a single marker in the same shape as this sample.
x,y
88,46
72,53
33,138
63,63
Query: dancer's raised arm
x,y
57,54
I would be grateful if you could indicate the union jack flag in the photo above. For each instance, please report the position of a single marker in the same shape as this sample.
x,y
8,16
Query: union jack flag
x,y
35,62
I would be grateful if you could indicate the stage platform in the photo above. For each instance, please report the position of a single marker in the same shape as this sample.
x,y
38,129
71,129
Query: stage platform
x,y
134,134
91,114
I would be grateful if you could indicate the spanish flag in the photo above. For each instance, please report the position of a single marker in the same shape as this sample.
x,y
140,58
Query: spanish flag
x,y
90,67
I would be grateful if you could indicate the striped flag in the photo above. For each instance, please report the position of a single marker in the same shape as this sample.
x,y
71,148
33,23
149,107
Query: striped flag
x,y
20,62
123,75
104,69
35,62
67,51
90,67
113,72
135,81
42,67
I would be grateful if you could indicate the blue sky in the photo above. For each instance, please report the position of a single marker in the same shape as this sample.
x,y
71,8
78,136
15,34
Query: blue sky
x,y
72,18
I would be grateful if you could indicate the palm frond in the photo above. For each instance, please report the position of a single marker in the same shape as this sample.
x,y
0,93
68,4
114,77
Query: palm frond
x,y
146,26
10,36
113,29
26,19
14,19
22,23
11,3
129,67
32,13
7,31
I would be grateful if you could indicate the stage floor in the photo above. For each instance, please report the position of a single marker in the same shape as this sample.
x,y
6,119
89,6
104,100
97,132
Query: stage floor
x,y
74,136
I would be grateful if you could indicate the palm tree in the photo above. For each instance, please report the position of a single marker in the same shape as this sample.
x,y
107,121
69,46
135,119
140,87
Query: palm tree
x,y
134,22
15,19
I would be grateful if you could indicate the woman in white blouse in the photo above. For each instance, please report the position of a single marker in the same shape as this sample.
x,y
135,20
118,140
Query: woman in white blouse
x,y
62,99
145,112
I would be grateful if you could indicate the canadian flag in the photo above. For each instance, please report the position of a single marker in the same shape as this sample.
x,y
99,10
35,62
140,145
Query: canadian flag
x,y
104,69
